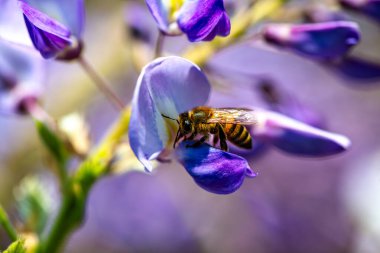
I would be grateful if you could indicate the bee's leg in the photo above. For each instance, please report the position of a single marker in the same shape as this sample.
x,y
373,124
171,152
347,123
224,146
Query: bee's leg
x,y
177,137
200,141
192,136
223,138
216,139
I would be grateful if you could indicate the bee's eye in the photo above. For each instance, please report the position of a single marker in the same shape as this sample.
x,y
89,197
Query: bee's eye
x,y
187,125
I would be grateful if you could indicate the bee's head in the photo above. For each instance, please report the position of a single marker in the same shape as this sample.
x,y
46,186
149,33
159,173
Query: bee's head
x,y
185,124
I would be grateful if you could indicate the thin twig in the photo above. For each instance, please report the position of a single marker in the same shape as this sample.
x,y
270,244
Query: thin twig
x,y
101,83
159,44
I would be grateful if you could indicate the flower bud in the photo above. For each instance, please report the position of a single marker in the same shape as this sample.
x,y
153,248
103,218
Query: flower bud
x,y
322,41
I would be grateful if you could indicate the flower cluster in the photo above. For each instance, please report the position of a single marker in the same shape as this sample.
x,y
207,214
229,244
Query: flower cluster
x,y
170,86
160,123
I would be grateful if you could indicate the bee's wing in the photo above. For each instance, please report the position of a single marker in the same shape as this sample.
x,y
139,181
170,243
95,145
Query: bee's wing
x,y
240,116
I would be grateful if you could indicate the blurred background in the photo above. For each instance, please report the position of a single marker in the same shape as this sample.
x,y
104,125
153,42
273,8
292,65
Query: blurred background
x,y
294,205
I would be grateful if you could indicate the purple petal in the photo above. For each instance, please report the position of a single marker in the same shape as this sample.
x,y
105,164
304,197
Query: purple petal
x,y
21,78
160,13
323,41
358,69
297,138
12,24
212,169
203,20
71,13
368,7
48,36
169,86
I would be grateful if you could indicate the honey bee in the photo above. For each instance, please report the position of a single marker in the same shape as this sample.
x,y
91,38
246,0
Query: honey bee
x,y
223,123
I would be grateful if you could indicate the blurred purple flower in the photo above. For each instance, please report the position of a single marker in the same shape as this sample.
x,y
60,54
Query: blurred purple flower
x,y
295,137
322,13
358,69
21,77
170,86
139,26
200,20
322,41
287,104
368,7
55,38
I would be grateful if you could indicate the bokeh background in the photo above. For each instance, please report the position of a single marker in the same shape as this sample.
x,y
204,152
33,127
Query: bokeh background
x,y
295,204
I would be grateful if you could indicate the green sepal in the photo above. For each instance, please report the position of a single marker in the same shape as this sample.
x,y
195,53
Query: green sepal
x,y
16,247
53,143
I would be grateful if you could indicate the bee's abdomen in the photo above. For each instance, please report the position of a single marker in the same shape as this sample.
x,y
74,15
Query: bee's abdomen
x,y
238,135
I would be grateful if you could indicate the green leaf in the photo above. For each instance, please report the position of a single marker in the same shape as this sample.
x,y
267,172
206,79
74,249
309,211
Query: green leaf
x,y
53,143
16,247
34,203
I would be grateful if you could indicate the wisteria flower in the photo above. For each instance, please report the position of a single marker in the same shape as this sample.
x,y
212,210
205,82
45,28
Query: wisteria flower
x,y
170,86
55,38
368,7
200,20
21,78
295,137
321,41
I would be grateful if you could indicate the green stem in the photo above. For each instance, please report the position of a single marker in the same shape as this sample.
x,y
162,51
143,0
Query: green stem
x,y
71,212
7,225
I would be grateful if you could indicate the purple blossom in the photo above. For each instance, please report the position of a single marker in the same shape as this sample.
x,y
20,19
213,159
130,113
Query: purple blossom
x,y
295,137
322,41
170,86
368,7
200,20
51,37
21,77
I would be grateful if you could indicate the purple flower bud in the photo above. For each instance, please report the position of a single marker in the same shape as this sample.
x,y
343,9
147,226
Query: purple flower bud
x,y
213,169
50,37
295,137
200,20
322,41
21,74
368,7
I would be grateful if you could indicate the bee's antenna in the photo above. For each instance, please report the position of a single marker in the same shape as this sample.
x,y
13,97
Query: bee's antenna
x,y
169,117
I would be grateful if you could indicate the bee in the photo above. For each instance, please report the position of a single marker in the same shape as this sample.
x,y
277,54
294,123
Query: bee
x,y
223,123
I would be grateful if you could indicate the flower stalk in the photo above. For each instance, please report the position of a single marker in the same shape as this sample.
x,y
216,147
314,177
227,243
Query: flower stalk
x,y
71,212
7,225
102,84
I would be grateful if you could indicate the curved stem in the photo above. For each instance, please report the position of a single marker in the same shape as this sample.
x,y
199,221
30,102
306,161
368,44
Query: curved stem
x,y
102,84
159,44
72,209
7,225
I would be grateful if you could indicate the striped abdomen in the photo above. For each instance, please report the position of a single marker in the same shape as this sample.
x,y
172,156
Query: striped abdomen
x,y
238,135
